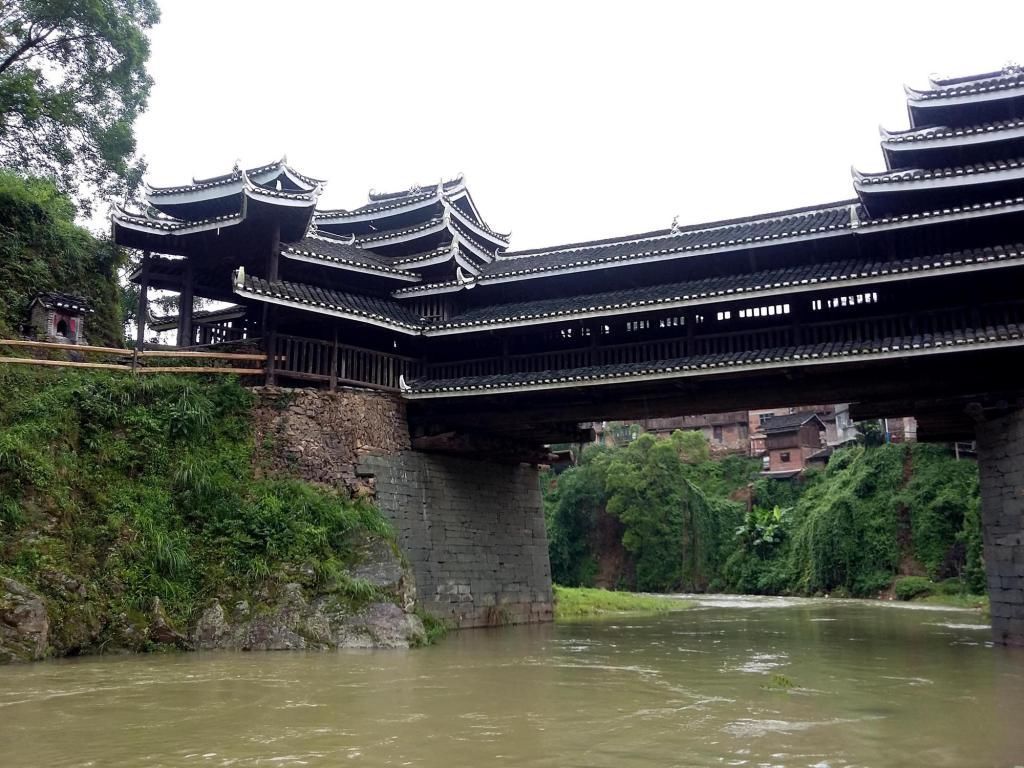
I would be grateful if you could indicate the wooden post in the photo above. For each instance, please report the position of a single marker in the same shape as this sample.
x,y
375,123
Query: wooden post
x,y
269,310
142,310
185,301
334,361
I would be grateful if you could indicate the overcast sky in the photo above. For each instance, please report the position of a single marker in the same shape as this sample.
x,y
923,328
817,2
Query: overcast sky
x,y
571,120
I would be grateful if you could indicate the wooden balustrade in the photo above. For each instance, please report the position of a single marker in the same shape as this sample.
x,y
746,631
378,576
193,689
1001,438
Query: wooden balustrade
x,y
317,360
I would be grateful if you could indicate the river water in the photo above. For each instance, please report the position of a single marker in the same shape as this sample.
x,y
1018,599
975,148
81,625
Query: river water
x,y
733,682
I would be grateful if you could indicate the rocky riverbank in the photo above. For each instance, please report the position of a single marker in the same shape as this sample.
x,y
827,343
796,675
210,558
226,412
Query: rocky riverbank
x,y
39,622
140,515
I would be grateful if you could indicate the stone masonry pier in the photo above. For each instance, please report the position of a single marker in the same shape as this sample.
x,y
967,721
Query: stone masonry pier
x,y
1001,472
472,530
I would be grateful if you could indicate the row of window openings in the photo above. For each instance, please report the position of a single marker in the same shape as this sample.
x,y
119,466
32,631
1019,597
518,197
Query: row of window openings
x,y
769,310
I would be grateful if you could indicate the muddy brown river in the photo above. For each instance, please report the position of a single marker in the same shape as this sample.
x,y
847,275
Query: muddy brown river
x,y
733,682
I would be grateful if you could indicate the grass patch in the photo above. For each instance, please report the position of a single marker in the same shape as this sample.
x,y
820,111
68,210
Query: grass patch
x,y
580,602
435,629
976,602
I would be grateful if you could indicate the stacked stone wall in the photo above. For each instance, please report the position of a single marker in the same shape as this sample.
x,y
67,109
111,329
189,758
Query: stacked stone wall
x,y
1001,471
473,531
320,436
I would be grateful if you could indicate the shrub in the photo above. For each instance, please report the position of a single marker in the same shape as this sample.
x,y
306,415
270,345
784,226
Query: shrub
x,y
909,587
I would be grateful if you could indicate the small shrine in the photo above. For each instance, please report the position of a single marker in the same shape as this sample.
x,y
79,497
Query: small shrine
x,y
59,317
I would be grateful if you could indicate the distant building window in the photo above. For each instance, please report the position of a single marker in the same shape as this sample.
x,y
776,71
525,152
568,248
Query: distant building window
x,y
716,433
784,456
763,417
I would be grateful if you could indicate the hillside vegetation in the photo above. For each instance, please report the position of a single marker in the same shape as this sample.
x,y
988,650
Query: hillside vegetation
x,y
661,515
116,490
42,249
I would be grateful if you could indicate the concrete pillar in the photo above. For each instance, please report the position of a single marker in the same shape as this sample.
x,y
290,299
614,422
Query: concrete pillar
x,y
1001,471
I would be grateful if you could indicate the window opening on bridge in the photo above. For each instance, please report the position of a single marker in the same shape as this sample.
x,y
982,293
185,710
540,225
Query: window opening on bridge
x,y
725,315
672,322
638,325
769,310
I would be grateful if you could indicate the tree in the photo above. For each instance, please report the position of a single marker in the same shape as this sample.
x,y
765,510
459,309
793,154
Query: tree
x,y
72,82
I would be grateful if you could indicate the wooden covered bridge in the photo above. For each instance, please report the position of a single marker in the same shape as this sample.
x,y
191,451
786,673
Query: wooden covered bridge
x,y
904,299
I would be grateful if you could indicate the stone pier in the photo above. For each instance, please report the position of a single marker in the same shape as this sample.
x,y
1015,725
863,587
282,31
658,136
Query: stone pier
x,y
1001,471
474,533
472,530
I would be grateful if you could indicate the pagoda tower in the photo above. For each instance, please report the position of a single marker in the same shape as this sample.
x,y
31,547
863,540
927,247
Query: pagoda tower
x,y
964,147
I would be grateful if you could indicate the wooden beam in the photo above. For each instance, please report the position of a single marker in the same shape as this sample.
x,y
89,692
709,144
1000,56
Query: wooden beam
x,y
64,364
201,369
60,345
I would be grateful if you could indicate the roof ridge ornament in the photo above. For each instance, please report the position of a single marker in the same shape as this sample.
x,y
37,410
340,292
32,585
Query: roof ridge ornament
x,y
1013,68
238,278
675,224
402,386
467,282
854,216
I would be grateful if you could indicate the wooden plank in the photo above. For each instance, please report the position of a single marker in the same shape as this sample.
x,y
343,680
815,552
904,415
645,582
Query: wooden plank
x,y
203,355
65,364
201,369
56,345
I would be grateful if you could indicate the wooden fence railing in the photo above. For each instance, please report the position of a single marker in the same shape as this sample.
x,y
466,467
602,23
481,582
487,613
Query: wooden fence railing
x,y
135,360
334,363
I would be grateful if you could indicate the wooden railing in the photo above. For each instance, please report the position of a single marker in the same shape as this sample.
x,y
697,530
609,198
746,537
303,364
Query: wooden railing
x,y
334,363
779,336
135,360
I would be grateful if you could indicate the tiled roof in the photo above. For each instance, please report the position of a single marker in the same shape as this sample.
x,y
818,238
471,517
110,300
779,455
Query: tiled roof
x,y
953,211
1002,82
919,174
233,177
167,225
381,206
169,322
944,132
336,252
447,185
788,422
706,364
315,298
372,238
56,300
712,288
739,233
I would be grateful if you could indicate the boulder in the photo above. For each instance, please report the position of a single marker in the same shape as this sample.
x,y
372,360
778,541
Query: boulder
x,y
24,625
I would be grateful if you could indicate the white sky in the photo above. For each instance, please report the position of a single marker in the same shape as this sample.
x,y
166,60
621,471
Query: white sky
x,y
571,120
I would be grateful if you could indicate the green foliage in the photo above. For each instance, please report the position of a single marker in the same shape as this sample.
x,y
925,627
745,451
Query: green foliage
x,y
844,531
434,628
42,249
145,488
845,525
909,587
943,499
671,500
72,82
572,502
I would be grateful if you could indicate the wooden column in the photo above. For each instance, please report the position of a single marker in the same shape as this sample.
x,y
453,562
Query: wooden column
x,y
334,361
143,306
185,302
269,310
